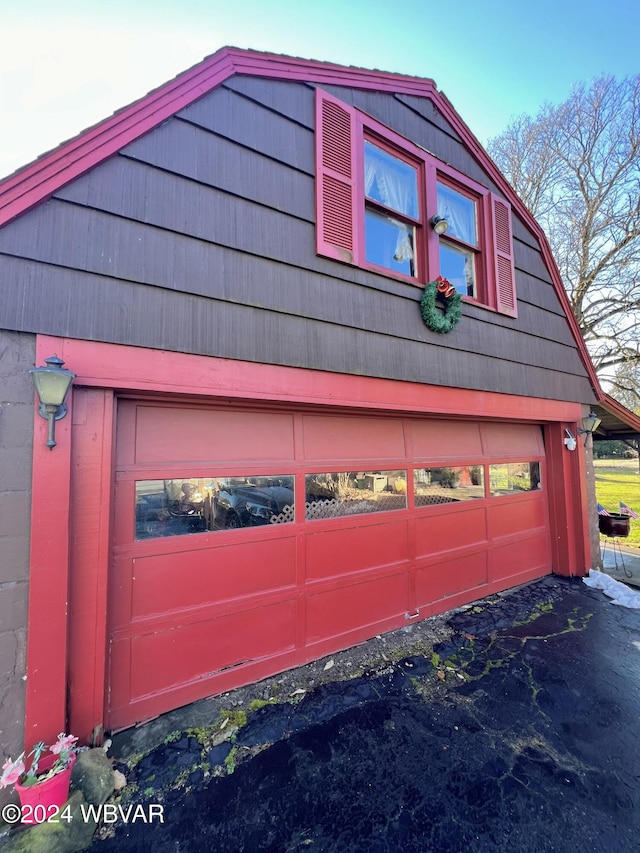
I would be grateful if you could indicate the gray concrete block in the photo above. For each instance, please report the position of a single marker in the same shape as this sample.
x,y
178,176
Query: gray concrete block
x,y
14,600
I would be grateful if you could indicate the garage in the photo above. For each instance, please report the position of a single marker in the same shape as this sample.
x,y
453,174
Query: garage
x,y
250,540
272,446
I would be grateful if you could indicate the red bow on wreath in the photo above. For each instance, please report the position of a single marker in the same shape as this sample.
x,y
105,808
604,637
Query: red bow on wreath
x,y
445,286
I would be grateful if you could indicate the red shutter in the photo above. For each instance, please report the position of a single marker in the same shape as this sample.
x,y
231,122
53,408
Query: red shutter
x,y
503,257
335,178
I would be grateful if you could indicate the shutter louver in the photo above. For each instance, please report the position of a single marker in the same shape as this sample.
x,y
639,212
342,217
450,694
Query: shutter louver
x,y
335,179
503,257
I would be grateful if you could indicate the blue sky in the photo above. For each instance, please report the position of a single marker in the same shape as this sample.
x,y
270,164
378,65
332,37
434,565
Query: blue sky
x,y
66,64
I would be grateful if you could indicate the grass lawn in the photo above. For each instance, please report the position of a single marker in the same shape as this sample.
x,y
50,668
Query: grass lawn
x,y
619,480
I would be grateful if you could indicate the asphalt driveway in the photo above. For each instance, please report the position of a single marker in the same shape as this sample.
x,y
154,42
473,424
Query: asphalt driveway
x,y
520,732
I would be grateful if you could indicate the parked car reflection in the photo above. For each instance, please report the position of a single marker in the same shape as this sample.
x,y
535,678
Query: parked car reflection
x,y
197,505
254,502
170,508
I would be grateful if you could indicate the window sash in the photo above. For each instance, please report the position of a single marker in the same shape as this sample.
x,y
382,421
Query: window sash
x,y
390,243
390,181
461,212
458,265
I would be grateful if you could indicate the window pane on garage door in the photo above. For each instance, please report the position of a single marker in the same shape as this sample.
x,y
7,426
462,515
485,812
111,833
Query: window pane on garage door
x,y
515,477
176,507
330,495
447,485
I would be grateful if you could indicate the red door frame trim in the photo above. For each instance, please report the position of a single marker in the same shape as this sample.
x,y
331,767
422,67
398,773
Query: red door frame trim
x,y
570,541
140,370
47,637
91,489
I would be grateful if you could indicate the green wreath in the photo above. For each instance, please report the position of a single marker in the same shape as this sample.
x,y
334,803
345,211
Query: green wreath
x,y
436,321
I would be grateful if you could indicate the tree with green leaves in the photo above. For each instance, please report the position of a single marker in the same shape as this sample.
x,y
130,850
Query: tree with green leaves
x,y
577,167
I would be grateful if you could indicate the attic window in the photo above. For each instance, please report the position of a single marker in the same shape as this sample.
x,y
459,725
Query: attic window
x,y
459,246
376,191
391,210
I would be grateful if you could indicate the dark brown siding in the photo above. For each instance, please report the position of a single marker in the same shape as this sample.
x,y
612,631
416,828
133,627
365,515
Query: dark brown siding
x,y
17,352
200,237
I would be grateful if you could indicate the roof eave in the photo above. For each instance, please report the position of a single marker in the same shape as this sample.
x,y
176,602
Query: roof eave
x,y
621,413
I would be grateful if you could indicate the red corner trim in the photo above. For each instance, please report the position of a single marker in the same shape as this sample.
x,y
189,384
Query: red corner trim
x,y
45,713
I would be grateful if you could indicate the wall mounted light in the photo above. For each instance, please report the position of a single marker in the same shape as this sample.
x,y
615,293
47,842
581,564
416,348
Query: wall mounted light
x,y
589,425
570,440
52,385
439,224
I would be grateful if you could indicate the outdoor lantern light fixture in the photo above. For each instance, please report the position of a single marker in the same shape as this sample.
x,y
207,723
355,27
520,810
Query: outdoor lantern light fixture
x,y
439,224
52,385
589,425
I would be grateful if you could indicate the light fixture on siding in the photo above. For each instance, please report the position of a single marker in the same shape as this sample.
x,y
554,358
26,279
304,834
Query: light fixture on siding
x,y
589,425
570,440
52,385
439,224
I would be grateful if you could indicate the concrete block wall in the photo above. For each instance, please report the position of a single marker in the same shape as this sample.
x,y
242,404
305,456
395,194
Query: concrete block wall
x,y
17,354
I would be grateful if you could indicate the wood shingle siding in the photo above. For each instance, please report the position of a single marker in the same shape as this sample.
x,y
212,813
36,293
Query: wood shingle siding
x,y
233,116
141,253
184,149
142,315
144,253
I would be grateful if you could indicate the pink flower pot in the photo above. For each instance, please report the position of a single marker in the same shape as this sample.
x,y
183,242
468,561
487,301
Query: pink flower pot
x,y
40,801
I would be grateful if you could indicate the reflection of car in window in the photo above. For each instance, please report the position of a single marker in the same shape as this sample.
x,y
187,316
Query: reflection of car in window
x,y
156,515
250,504
168,508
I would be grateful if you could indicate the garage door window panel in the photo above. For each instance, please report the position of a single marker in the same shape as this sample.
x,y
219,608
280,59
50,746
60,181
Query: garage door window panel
x,y
333,494
514,478
447,485
177,507
253,501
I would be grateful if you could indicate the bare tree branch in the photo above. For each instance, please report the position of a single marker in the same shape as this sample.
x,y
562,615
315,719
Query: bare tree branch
x,y
577,168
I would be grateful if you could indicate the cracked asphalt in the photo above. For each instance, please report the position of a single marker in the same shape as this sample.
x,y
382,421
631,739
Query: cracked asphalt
x,y
519,732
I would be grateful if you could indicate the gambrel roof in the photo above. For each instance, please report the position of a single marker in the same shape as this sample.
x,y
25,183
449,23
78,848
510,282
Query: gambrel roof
x,y
37,181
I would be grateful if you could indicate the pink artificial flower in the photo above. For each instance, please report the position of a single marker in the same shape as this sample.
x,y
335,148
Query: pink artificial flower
x,y
63,743
11,772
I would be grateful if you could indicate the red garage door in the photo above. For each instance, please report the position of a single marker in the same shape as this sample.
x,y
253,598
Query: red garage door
x,y
250,541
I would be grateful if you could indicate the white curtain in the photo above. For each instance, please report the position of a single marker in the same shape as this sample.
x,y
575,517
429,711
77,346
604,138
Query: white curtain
x,y
459,212
397,189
